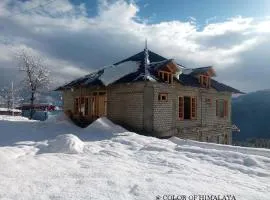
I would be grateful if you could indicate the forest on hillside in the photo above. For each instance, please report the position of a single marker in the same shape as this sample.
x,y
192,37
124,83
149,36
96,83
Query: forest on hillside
x,y
251,113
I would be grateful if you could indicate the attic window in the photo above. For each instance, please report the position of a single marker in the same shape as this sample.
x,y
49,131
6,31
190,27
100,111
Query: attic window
x,y
165,76
163,97
205,81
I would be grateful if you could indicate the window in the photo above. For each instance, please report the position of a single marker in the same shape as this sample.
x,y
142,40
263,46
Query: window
x,y
76,106
205,81
94,106
221,108
187,108
81,105
181,108
82,108
193,108
163,97
82,100
166,76
86,107
208,101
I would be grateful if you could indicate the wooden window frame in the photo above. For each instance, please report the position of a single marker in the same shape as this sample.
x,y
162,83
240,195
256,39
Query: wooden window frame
x,y
76,105
181,108
81,100
88,102
193,108
169,76
205,81
86,105
163,94
225,108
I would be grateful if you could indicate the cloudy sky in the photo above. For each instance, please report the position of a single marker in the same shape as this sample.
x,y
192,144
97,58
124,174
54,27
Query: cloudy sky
x,y
77,37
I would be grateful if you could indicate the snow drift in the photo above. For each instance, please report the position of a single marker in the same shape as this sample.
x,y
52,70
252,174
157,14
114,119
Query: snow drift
x,y
39,160
104,125
67,143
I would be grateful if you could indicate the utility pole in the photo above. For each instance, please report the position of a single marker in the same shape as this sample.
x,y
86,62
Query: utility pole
x,y
12,96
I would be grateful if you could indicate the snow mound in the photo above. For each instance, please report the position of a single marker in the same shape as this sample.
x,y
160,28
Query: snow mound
x,y
14,118
67,143
61,117
205,145
103,124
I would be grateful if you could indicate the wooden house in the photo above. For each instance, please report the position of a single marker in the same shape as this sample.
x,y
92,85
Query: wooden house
x,y
154,96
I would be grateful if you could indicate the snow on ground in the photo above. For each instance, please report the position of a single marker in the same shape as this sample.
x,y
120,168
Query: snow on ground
x,y
57,160
12,118
11,110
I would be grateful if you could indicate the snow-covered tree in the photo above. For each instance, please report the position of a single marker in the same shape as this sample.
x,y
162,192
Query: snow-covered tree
x,y
36,75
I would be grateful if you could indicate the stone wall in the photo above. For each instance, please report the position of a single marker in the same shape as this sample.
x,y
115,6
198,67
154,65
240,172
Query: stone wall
x,y
166,121
136,105
125,104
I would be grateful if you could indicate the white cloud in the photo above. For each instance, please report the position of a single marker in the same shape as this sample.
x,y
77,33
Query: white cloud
x,y
75,44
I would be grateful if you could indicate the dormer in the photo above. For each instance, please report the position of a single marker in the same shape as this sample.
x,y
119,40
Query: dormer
x,y
166,70
204,75
205,81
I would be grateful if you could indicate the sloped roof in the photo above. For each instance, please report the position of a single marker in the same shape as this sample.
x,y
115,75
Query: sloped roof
x,y
90,79
153,57
136,77
202,70
157,65
224,88
141,74
189,80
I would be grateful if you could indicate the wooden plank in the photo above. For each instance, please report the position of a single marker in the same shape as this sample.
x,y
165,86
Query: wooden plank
x,y
181,108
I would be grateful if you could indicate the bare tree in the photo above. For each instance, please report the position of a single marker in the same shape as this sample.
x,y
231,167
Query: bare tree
x,y
10,97
6,95
36,75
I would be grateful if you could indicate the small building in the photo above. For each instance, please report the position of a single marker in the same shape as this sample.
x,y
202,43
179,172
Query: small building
x,y
155,96
6,111
41,110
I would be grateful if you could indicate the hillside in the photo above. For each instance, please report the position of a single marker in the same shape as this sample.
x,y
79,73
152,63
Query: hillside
x,y
57,160
251,113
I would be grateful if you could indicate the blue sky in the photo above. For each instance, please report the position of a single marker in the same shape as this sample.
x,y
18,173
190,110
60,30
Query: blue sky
x,y
202,10
76,37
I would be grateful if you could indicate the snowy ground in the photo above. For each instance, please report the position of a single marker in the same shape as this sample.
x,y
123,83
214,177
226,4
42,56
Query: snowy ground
x,y
57,160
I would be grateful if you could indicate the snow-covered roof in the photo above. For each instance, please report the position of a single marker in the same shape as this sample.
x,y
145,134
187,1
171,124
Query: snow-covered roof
x,y
143,66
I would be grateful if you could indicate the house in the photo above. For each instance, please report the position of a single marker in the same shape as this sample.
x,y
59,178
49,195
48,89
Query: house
x,y
154,96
